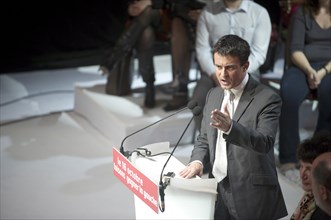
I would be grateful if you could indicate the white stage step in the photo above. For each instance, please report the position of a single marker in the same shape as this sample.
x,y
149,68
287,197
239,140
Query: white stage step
x,y
117,117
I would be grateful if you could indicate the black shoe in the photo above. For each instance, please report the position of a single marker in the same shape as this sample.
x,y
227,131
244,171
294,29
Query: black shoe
x,y
149,96
104,70
178,101
169,89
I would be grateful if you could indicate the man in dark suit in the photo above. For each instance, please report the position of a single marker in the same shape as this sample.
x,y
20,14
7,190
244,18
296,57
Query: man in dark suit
x,y
240,118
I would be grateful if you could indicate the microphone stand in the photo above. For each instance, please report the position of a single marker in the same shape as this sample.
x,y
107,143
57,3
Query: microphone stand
x,y
191,105
162,186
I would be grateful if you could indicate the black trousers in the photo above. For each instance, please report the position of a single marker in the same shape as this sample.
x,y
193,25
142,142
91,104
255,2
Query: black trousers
x,y
224,206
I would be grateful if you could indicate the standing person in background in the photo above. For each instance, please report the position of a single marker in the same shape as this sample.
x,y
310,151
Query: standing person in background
x,y
321,182
240,121
310,46
306,153
246,19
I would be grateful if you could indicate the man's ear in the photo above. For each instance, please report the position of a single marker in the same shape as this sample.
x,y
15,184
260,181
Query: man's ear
x,y
246,65
323,191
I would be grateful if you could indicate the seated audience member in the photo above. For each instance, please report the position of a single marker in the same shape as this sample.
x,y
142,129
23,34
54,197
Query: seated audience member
x,y
306,153
321,182
184,15
146,17
246,19
310,46
287,10
139,35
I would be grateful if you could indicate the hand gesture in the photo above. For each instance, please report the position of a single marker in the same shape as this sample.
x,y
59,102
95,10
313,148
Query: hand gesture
x,y
221,120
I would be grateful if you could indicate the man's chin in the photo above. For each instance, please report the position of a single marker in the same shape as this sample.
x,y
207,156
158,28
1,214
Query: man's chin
x,y
226,87
306,187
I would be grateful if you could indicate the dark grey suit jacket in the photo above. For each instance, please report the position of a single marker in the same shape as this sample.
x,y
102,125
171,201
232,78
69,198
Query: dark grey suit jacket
x,y
251,163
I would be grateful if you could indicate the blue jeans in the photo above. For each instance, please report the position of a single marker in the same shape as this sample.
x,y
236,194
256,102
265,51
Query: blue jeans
x,y
293,91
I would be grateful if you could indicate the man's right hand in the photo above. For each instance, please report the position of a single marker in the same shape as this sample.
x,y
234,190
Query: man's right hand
x,y
193,169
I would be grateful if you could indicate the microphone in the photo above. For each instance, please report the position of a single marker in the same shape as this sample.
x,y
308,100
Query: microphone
x,y
196,111
191,105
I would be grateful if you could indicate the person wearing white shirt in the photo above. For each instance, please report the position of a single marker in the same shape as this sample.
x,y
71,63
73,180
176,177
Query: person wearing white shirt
x,y
237,136
244,18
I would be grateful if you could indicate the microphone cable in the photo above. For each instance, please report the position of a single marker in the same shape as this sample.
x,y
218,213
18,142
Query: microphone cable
x,y
196,111
191,105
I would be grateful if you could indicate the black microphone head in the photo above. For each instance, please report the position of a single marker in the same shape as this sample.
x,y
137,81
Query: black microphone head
x,y
192,104
197,110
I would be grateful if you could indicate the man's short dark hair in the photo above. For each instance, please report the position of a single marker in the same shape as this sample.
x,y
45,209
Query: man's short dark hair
x,y
232,45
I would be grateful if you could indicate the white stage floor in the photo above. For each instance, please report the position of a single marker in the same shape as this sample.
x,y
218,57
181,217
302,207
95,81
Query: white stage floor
x,y
55,164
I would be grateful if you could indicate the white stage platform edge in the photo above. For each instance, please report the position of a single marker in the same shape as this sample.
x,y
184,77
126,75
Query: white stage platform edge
x,y
117,117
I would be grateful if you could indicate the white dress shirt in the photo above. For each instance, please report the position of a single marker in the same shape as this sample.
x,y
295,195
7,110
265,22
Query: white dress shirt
x,y
220,164
250,21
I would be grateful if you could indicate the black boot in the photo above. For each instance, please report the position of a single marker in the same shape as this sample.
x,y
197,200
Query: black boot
x,y
149,96
171,88
180,96
178,101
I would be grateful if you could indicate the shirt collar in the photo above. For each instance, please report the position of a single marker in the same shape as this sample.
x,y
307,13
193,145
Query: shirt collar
x,y
238,90
243,6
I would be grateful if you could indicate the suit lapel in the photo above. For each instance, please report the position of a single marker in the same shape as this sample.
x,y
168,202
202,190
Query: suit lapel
x,y
246,98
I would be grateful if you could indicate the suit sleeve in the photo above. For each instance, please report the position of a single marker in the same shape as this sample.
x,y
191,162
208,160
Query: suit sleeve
x,y
257,130
201,147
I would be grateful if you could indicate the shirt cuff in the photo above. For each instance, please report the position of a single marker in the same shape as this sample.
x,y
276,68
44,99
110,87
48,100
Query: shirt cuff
x,y
228,132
